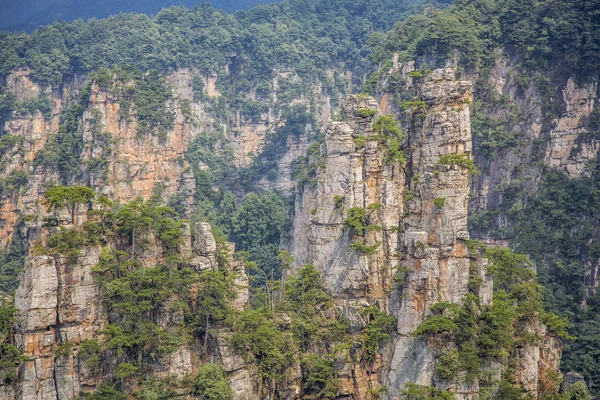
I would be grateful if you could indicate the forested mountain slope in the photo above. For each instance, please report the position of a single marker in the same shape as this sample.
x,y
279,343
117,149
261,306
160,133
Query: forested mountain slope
x,y
133,148
29,15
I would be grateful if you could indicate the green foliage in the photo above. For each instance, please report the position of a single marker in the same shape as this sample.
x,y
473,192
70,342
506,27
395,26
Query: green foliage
x,y
367,112
211,383
558,228
462,160
212,301
387,125
259,220
338,202
68,242
448,365
12,260
578,391
134,295
297,118
7,106
356,220
436,324
305,293
89,351
265,338
360,141
362,248
381,326
508,391
64,350
256,226
125,370
106,392
391,136
492,135
415,106
412,391
136,218
62,151
439,202
146,94
320,381
540,33
305,172
16,180
472,332
304,300
157,389
400,277
43,104
10,356
10,142
261,341
212,150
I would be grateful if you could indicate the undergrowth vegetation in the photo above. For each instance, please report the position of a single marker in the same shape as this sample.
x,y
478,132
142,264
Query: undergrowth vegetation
x,y
473,334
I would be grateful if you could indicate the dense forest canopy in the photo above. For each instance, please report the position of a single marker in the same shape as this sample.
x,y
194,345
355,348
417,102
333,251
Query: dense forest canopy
x,y
28,15
309,36
544,35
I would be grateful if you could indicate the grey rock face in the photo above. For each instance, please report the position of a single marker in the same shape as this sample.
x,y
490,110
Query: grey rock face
x,y
421,208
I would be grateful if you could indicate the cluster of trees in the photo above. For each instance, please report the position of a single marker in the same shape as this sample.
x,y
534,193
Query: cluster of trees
x,y
543,34
473,333
558,228
27,15
306,36
289,324
10,356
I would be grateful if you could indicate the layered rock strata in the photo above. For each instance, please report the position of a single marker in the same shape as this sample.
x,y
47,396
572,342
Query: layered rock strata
x,y
60,301
421,208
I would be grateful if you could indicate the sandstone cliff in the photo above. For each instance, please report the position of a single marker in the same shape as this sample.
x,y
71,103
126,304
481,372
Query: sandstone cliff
x,y
61,305
419,255
412,255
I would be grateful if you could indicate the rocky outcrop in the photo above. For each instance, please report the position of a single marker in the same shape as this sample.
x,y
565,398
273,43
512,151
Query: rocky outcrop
x,y
435,223
417,254
572,145
60,305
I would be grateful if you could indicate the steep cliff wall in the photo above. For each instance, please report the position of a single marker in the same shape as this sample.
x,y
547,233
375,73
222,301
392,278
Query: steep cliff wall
x,y
123,162
410,255
62,308
413,253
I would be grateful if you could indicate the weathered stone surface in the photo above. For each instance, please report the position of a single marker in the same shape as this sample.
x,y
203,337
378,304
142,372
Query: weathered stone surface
x,y
205,244
422,208
61,302
37,297
569,148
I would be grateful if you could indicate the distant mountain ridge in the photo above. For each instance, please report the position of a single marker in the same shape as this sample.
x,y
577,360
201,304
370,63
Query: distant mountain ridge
x,y
29,14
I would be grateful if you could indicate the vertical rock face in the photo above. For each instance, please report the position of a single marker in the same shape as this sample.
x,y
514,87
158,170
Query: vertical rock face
x,y
60,301
569,149
57,302
421,208
435,224
134,165
121,162
350,177
416,214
